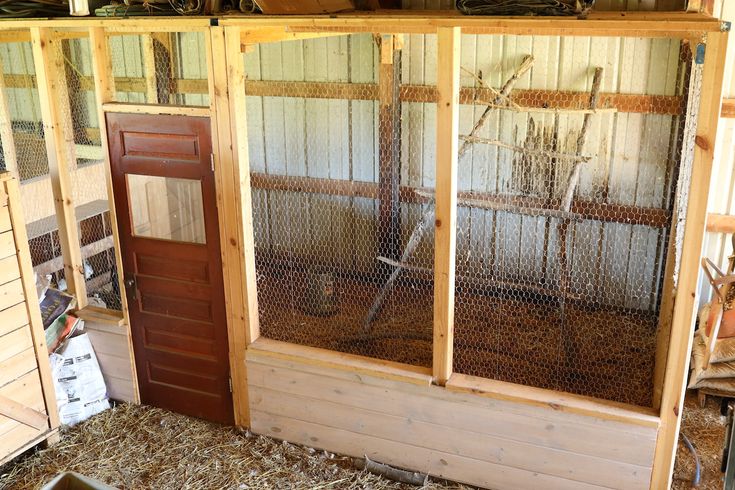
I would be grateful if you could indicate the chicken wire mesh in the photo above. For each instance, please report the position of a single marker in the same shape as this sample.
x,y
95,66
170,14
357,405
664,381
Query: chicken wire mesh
x,y
330,156
88,178
24,154
568,168
160,68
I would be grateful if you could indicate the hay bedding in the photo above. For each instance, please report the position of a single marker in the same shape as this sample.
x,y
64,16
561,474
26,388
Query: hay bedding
x,y
705,428
138,447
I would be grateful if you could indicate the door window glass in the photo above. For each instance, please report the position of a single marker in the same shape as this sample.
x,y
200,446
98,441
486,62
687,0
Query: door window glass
x,y
166,208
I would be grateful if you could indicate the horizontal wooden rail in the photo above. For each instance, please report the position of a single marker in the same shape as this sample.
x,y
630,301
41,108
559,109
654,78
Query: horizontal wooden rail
x,y
526,205
720,223
539,99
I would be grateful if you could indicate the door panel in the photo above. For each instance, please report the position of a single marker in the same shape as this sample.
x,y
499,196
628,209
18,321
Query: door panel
x,y
166,206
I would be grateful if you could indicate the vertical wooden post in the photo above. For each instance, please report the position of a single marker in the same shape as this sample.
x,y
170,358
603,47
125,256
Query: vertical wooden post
x,y
677,364
51,92
447,139
389,86
149,69
232,180
6,131
104,85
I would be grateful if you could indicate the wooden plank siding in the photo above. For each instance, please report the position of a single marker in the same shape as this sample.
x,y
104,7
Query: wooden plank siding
x,y
462,437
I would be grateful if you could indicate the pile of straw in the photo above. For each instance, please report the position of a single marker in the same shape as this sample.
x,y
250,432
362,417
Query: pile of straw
x,y
138,447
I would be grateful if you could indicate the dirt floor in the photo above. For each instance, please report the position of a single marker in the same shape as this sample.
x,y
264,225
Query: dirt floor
x,y
504,335
138,447
705,428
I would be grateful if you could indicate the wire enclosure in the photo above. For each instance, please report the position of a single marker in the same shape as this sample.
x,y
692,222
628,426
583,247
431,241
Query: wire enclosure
x,y
568,168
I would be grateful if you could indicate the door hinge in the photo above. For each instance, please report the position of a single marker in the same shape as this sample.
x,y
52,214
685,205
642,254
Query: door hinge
x,y
229,381
211,160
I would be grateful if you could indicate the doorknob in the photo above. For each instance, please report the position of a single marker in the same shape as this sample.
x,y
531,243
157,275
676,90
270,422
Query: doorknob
x,y
129,283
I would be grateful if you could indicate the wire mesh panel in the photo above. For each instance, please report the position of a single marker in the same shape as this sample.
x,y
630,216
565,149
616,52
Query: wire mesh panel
x,y
24,153
160,68
88,177
344,250
567,173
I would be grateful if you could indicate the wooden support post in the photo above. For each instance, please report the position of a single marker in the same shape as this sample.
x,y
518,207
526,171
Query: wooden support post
x,y
10,155
232,178
50,77
447,147
149,69
389,87
677,364
104,85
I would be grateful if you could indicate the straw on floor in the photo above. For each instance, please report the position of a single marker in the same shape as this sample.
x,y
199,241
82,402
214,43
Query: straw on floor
x,y
138,447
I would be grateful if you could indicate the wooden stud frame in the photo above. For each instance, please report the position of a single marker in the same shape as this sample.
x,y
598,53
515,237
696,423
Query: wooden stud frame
x,y
61,158
105,93
226,87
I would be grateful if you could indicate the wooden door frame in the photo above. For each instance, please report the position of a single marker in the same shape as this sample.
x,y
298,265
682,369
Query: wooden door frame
x,y
229,188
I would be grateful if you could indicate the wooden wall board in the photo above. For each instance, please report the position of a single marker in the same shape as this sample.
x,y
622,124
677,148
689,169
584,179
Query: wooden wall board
x,y
9,269
11,294
15,366
415,426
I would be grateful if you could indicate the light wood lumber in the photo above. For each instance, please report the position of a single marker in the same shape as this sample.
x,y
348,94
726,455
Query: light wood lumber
x,y
23,414
105,93
50,75
33,309
445,225
338,360
173,110
686,297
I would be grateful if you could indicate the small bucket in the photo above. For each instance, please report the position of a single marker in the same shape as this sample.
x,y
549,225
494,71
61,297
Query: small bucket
x,y
321,298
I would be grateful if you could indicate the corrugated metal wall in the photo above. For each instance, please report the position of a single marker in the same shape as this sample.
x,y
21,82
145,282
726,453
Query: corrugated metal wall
x,y
633,162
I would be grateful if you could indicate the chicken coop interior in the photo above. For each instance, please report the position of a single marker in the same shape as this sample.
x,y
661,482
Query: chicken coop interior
x,y
558,278
442,242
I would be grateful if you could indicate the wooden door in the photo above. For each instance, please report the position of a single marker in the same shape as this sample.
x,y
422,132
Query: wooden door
x,y
163,180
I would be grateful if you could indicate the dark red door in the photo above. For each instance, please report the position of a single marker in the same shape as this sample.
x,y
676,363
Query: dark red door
x,y
167,214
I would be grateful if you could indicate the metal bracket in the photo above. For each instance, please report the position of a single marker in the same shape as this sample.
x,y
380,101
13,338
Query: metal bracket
x,y
725,26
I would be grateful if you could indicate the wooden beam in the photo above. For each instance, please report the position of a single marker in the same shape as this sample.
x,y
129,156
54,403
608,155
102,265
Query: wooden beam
x,y
23,414
720,223
524,205
10,155
149,69
57,263
445,226
616,24
686,299
728,108
389,144
545,100
105,93
251,37
33,307
229,133
174,110
49,66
